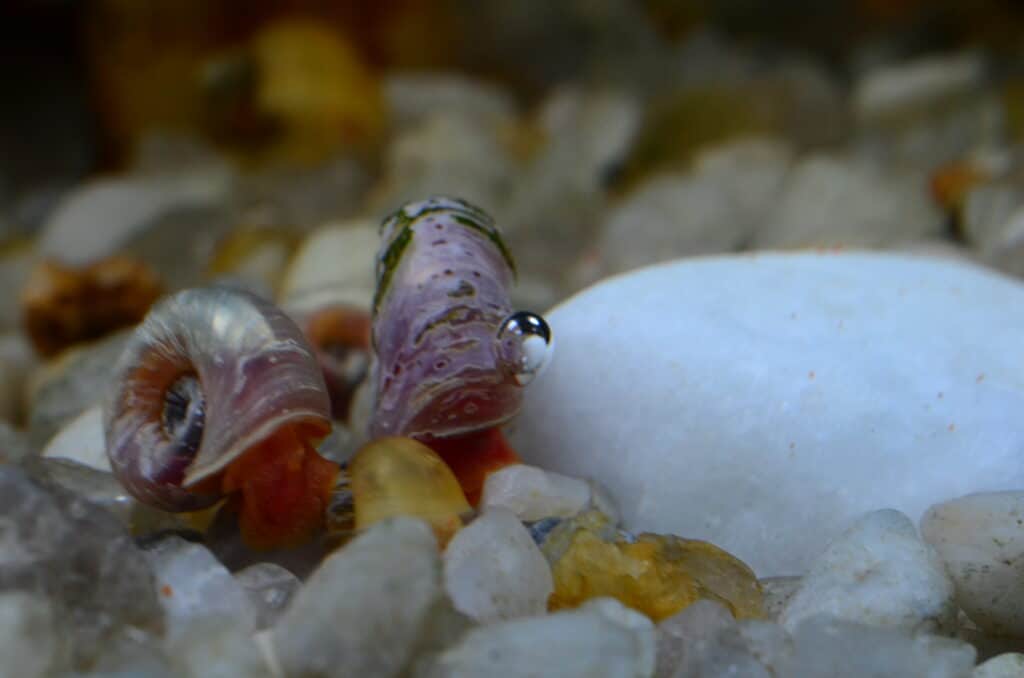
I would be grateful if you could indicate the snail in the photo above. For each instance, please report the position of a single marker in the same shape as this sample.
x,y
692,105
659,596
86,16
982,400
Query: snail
x,y
218,394
451,355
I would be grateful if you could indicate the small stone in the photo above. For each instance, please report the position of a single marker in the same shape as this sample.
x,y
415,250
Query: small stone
x,y
412,97
333,264
493,570
363,611
56,544
29,639
777,592
64,305
680,636
1008,665
533,493
601,639
993,224
918,86
270,588
658,575
877,572
192,585
401,477
217,648
16,362
254,255
832,648
82,440
831,201
980,538
65,387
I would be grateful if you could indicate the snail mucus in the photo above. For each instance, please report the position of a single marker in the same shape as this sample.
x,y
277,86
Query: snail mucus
x,y
218,395
451,355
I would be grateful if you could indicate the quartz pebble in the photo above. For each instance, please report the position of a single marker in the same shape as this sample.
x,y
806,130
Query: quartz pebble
x,y
1008,665
402,477
658,575
533,493
493,570
856,359
412,97
878,572
601,639
832,201
81,440
362,611
193,585
56,544
217,647
680,635
29,640
270,588
333,264
993,223
980,537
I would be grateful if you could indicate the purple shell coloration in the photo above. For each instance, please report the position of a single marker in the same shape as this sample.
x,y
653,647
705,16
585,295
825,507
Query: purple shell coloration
x,y
443,366
234,367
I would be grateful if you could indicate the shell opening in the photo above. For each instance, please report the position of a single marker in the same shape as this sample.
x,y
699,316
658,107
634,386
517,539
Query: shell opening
x,y
183,418
534,336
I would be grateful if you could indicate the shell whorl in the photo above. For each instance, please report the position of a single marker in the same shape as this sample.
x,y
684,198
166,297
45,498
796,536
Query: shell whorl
x,y
443,279
255,372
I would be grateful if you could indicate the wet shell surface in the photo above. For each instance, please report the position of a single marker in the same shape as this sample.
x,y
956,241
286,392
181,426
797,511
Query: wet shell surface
x,y
451,354
208,374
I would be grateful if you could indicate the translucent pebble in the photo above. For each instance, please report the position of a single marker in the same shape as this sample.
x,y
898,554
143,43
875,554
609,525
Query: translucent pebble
x,y
270,588
777,592
1008,665
679,634
533,493
401,477
493,570
58,545
29,640
365,609
658,575
193,585
877,572
831,648
217,648
601,639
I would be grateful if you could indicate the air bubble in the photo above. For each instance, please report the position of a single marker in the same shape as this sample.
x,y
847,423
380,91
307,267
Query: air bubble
x,y
534,335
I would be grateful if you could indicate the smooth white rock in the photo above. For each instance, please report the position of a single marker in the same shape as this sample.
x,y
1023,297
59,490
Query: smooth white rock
x,y
981,539
877,573
29,641
82,440
1008,665
600,639
334,264
192,585
682,635
763,402
533,493
493,570
218,648
95,219
363,610
270,588
830,201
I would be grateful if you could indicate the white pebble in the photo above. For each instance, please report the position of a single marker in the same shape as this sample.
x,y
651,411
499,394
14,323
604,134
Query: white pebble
x,y
1009,665
981,539
878,573
493,570
29,643
600,639
533,493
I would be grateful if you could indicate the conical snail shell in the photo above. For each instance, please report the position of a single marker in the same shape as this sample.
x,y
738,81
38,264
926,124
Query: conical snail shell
x,y
443,366
253,368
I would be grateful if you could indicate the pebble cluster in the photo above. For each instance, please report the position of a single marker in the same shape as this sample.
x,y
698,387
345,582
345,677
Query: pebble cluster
x,y
725,151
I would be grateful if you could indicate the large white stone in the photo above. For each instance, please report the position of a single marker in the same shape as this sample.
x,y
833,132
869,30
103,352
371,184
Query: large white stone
x,y
763,402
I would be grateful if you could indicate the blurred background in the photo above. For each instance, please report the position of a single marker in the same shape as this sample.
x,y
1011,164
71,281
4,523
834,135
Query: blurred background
x,y
148,145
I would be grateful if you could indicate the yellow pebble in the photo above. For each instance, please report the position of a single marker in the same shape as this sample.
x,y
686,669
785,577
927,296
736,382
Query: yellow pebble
x,y
401,477
658,575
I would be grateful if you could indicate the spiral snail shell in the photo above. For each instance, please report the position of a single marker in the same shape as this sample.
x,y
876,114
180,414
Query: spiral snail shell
x,y
218,393
451,354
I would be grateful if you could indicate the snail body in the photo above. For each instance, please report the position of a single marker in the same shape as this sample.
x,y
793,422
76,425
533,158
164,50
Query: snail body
x,y
218,394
